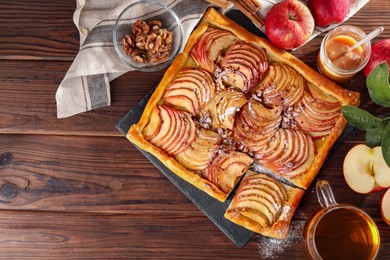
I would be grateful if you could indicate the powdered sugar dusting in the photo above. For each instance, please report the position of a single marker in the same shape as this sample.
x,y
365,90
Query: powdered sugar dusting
x,y
270,248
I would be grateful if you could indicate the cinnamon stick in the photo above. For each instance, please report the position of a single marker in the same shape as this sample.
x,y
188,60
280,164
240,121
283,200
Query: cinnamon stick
x,y
250,8
224,4
253,5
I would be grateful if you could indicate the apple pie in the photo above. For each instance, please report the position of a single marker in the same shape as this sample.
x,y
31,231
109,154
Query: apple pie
x,y
232,107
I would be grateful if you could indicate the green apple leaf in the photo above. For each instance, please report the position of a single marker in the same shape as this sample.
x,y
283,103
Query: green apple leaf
x,y
386,145
360,118
374,136
378,84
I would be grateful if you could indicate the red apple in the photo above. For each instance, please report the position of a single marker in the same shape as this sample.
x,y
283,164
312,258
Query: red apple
x,y
289,24
380,51
385,207
365,170
327,12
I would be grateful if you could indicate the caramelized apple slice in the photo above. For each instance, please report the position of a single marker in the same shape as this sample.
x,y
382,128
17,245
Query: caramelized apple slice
x,y
226,169
255,124
154,125
289,153
202,150
242,66
282,86
316,117
222,108
210,45
322,97
259,198
190,91
176,130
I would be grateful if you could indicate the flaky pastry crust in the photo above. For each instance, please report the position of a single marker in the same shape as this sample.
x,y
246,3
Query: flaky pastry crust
x,y
346,97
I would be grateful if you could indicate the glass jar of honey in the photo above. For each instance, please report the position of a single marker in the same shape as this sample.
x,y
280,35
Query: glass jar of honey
x,y
335,61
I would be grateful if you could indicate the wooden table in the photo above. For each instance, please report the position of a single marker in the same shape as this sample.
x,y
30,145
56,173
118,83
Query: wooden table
x,y
76,188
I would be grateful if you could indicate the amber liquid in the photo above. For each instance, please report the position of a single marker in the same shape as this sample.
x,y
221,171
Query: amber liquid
x,y
337,51
346,234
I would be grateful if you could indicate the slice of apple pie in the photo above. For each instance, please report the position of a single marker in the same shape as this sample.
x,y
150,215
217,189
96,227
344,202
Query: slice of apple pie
x,y
232,102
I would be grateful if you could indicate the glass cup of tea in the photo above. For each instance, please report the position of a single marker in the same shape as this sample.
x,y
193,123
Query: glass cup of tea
x,y
339,231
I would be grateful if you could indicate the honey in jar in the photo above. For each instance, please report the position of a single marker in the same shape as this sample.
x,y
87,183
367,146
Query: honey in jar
x,y
335,61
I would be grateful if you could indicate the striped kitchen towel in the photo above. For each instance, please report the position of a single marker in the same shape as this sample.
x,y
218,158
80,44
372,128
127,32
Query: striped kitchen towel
x,y
86,85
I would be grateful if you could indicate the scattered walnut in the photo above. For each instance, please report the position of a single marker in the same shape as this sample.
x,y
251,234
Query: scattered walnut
x,y
148,42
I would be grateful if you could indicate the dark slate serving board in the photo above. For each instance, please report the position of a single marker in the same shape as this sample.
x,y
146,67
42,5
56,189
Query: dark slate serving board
x,y
211,207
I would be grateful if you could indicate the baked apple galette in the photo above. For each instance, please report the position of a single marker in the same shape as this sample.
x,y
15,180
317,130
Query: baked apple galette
x,y
234,115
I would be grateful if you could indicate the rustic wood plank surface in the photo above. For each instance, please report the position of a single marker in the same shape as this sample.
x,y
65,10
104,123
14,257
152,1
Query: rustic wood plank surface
x,y
75,188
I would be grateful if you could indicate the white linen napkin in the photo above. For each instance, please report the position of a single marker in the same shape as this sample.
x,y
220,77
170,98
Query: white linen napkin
x,y
86,85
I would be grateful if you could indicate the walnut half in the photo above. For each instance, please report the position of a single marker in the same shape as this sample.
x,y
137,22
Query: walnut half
x,y
148,42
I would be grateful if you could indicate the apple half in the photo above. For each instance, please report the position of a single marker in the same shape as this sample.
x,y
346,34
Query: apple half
x,y
365,170
385,207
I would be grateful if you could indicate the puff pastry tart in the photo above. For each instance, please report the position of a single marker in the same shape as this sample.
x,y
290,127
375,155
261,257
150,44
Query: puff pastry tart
x,y
232,100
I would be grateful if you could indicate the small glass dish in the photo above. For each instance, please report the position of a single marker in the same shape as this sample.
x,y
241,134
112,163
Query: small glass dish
x,y
335,62
147,10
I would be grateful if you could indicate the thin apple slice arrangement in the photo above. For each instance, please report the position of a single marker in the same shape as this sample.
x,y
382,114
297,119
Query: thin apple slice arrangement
x,y
210,45
201,151
242,66
261,202
170,129
255,124
226,169
190,91
261,199
315,114
233,101
289,153
282,86
365,169
221,110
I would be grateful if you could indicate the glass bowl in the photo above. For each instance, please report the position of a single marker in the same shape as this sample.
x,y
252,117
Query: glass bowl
x,y
147,10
